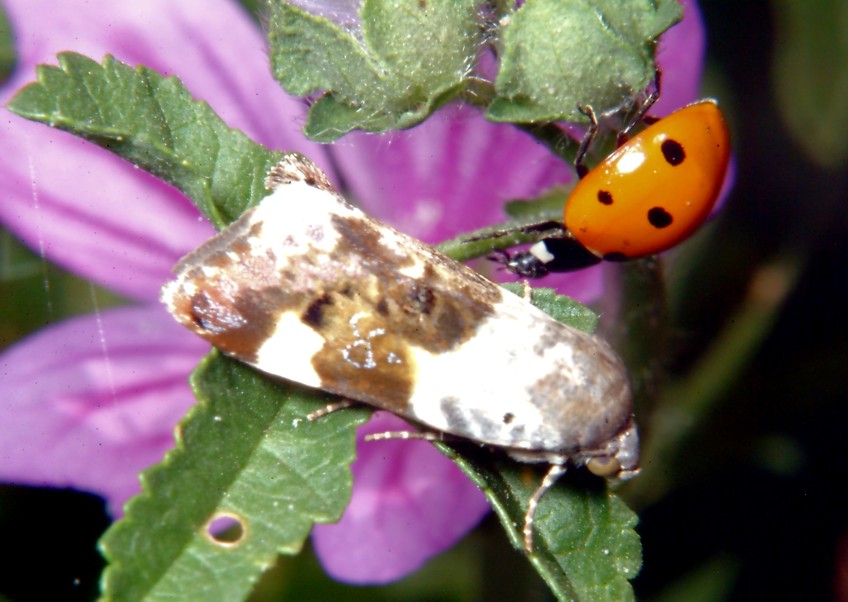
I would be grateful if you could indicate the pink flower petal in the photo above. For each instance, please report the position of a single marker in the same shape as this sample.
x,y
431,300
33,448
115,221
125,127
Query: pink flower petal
x,y
127,235
93,213
91,401
448,175
680,57
409,504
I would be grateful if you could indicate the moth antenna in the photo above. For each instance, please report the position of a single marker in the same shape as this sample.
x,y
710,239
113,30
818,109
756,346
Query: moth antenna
x,y
551,477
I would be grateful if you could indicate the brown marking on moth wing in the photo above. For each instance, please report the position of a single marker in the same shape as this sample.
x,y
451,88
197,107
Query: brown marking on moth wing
x,y
370,312
596,402
362,358
222,302
231,292
241,246
314,314
294,167
437,310
420,300
204,296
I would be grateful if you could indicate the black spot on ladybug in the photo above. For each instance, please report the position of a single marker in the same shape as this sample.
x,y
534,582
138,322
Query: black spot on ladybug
x,y
673,152
605,197
659,218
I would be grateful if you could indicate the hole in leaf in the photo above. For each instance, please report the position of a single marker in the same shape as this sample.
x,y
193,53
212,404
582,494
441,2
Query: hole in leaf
x,y
226,529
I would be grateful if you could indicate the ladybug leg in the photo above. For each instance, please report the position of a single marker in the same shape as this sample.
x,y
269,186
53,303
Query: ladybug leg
x,y
640,116
588,137
642,113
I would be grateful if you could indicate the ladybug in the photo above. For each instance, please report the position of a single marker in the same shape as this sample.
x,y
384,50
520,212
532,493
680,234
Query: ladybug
x,y
651,193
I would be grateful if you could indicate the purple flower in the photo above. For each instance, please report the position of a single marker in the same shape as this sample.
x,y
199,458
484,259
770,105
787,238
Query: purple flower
x,y
89,402
98,216
408,504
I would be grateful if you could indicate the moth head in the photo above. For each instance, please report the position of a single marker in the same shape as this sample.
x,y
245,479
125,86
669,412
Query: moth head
x,y
620,457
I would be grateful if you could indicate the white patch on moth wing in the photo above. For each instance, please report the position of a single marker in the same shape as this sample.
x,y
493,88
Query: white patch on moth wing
x,y
484,391
513,384
168,293
209,271
399,243
296,218
415,269
174,289
489,373
288,351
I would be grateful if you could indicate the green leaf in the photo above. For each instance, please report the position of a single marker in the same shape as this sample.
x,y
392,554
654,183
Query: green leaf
x,y
811,76
557,55
246,450
559,307
389,70
586,547
153,122
8,56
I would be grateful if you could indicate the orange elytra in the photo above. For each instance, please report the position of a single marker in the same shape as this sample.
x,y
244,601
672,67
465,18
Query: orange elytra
x,y
656,189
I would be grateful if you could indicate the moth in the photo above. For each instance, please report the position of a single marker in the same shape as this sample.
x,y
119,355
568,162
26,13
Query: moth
x,y
306,287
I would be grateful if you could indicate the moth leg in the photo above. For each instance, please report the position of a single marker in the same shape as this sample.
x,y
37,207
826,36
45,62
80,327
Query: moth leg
x,y
330,408
554,472
419,435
